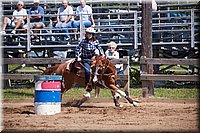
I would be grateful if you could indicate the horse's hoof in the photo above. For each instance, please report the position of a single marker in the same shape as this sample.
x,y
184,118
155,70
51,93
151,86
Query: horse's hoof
x,y
121,106
118,105
135,104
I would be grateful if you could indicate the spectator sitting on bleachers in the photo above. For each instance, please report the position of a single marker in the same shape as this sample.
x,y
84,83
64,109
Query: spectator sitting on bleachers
x,y
88,20
64,18
36,16
18,18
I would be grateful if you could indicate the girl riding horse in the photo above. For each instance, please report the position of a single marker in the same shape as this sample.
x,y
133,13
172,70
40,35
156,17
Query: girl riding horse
x,y
85,51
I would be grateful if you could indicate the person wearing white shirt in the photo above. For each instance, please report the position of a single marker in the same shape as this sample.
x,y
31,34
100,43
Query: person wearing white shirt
x,y
18,18
87,18
111,53
64,18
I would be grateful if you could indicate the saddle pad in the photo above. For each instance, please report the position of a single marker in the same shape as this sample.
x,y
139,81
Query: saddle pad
x,y
68,63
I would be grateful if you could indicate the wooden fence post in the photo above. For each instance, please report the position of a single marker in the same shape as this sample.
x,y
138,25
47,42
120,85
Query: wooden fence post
x,y
126,72
147,44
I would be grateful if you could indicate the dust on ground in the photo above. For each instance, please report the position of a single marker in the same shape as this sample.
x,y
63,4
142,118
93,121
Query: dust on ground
x,y
153,114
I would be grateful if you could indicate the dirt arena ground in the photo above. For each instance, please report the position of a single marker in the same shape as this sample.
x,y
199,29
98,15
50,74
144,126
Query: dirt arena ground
x,y
100,115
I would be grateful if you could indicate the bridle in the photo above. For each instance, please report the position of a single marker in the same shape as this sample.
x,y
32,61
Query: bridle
x,y
104,67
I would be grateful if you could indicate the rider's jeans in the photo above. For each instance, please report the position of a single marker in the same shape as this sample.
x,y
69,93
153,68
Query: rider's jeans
x,y
87,63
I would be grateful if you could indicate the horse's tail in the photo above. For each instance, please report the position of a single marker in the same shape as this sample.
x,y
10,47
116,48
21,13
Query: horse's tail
x,y
50,70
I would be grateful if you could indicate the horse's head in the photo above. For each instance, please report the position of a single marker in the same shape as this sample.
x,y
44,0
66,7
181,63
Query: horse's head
x,y
97,61
104,65
100,61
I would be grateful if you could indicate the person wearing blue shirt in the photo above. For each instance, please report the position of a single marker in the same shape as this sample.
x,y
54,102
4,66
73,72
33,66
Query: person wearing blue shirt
x,y
36,16
85,51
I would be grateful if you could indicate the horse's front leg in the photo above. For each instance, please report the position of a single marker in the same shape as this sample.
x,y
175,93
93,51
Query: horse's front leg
x,y
118,91
65,86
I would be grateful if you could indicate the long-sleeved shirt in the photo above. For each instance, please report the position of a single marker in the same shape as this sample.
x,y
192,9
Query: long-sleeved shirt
x,y
86,50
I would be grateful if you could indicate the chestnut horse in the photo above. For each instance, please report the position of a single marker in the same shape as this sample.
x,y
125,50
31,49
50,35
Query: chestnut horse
x,y
101,67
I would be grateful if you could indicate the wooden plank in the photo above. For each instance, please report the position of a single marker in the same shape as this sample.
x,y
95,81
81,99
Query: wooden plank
x,y
18,76
29,71
31,76
169,77
50,60
34,60
169,61
120,61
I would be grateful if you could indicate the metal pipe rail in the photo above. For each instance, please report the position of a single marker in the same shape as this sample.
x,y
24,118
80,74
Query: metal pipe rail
x,y
133,29
50,30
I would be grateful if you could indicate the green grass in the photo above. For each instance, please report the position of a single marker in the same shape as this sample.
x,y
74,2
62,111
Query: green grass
x,y
18,93
105,93
177,93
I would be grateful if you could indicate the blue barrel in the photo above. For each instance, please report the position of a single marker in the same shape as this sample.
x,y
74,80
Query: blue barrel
x,y
47,94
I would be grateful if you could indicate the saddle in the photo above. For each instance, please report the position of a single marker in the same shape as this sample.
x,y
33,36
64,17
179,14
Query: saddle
x,y
75,67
